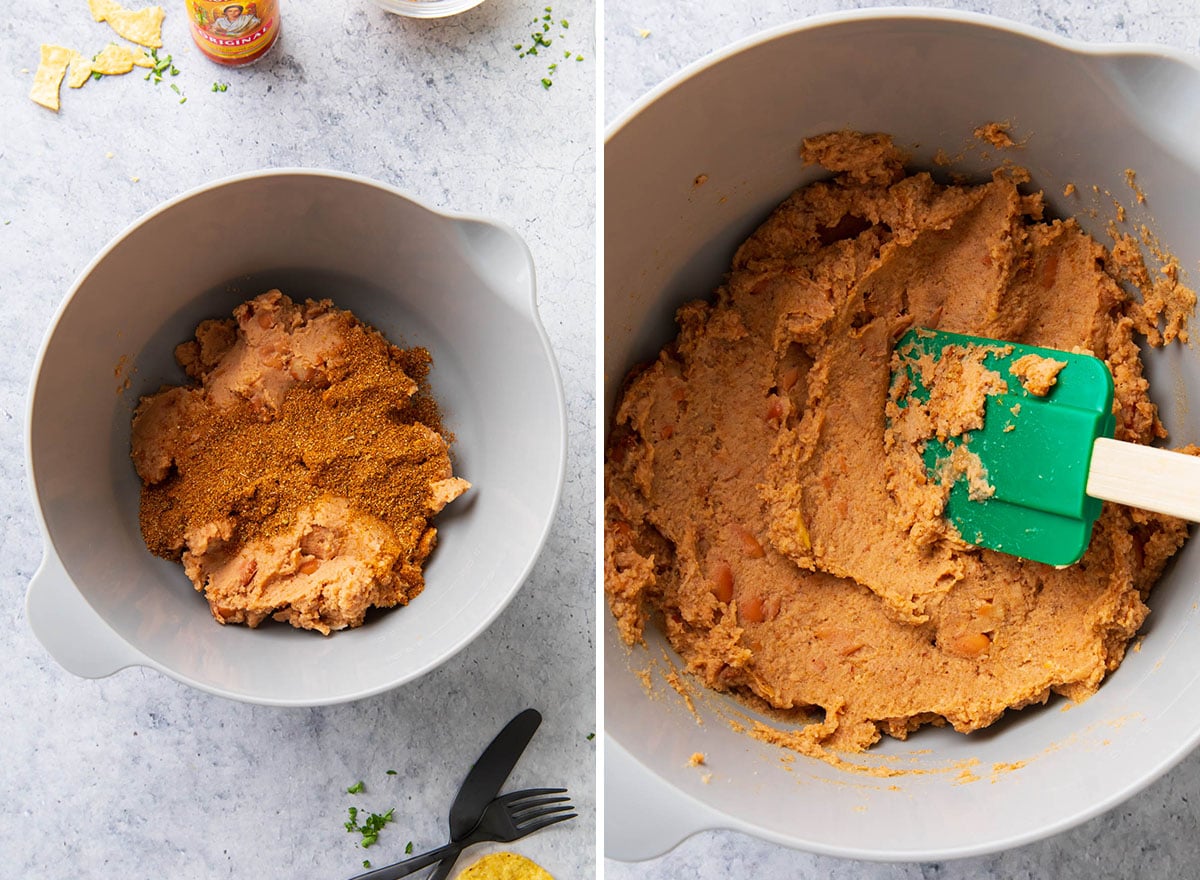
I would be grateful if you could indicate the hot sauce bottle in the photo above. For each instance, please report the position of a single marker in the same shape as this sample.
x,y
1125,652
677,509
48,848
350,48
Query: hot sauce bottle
x,y
234,33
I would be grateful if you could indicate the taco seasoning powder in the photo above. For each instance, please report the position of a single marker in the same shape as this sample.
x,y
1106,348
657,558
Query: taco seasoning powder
x,y
234,32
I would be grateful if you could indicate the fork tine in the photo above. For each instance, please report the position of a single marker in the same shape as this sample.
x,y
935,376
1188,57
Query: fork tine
x,y
544,823
515,808
524,816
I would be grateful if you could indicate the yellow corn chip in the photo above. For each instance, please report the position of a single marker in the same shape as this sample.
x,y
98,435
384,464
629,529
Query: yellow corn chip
x,y
504,866
101,8
80,70
49,76
143,27
114,59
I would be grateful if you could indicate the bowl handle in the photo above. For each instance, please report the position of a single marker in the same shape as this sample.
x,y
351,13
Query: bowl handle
x,y
645,817
502,258
70,629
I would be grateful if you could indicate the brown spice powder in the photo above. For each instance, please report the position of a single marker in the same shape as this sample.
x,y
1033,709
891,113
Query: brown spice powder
x,y
361,438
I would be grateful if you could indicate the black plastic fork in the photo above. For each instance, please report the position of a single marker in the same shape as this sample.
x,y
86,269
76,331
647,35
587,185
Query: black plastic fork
x,y
507,818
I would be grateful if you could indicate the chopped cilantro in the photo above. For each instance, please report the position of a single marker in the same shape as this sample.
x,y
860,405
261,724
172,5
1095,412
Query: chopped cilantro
x,y
591,736
542,40
370,828
97,75
408,849
366,863
355,788
220,87
391,773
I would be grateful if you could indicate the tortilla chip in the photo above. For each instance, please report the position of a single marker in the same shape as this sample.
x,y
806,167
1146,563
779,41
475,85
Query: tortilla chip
x,y
49,76
143,27
504,866
114,60
101,8
81,70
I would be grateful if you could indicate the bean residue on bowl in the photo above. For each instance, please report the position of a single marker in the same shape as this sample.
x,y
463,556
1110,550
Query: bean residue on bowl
x,y
295,477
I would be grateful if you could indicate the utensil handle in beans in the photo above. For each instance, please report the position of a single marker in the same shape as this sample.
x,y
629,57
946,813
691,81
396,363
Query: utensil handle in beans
x,y
1145,477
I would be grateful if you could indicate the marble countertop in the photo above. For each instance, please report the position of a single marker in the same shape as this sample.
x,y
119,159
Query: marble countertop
x,y
1149,835
137,776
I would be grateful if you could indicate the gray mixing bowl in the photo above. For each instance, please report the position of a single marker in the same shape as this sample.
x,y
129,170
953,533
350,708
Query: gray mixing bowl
x,y
461,287
928,78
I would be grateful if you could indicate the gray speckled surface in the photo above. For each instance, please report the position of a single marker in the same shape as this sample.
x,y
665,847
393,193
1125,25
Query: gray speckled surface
x,y
136,776
1150,835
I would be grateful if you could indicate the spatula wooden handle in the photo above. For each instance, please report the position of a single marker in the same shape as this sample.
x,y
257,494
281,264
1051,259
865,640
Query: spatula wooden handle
x,y
1146,477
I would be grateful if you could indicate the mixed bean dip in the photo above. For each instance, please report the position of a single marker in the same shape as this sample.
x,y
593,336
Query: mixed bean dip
x,y
756,509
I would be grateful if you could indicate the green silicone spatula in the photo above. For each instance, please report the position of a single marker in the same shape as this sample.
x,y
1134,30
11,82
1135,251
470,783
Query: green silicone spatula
x,y
1049,457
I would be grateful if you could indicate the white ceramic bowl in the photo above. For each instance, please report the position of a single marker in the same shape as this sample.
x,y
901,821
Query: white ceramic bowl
x,y
460,286
427,8
929,78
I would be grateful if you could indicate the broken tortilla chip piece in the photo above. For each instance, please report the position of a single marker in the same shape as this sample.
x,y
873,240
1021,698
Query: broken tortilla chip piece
x,y
115,59
505,866
101,8
49,76
142,26
80,70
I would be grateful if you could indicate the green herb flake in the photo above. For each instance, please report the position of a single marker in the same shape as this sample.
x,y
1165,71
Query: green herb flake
x,y
356,788
408,849
591,736
97,75
370,828
391,773
366,863
578,57
546,83
566,24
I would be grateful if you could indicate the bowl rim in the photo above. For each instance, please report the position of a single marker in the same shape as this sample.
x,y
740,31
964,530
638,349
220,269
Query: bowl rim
x,y
895,13
50,552
704,816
